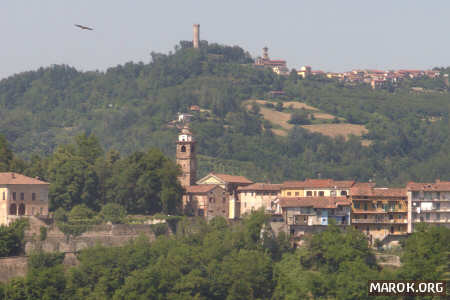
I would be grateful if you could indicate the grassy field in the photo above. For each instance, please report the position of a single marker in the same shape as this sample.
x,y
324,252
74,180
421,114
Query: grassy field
x,y
280,120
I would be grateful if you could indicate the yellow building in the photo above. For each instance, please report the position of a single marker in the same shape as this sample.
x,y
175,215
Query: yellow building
x,y
316,188
22,196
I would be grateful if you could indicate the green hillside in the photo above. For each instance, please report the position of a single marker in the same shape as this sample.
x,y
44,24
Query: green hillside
x,y
128,108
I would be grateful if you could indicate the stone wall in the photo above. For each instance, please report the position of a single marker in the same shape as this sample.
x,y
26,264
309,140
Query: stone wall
x,y
56,241
106,235
13,267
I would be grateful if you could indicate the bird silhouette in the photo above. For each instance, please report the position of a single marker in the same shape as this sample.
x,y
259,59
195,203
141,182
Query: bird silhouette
x,y
84,27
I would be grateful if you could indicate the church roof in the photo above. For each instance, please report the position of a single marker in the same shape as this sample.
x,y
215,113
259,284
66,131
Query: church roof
x,y
8,178
201,188
232,178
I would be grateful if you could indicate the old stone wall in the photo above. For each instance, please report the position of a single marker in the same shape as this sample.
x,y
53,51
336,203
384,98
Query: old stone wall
x,y
106,235
11,267
56,241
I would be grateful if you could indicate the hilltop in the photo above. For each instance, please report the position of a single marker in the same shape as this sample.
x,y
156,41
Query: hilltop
x,y
401,135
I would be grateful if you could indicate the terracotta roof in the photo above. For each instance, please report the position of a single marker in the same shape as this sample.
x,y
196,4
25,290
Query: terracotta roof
x,y
16,178
316,202
232,178
377,192
318,183
433,186
260,187
201,188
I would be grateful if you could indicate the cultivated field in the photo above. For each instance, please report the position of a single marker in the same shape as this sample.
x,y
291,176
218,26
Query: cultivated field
x,y
334,130
280,119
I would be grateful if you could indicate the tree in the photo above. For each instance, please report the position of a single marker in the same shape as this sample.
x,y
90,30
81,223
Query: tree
x,y
299,118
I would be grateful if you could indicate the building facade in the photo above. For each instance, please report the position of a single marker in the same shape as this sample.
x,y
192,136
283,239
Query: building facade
x,y
303,215
316,188
206,200
230,183
379,212
256,196
428,203
21,196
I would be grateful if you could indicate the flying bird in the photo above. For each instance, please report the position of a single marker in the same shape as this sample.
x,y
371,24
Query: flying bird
x,y
84,27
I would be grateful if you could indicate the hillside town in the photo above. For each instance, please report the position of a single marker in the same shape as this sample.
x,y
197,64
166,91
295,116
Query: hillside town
x,y
300,207
374,78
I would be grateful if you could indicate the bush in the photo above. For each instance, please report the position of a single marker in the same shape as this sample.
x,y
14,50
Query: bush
x,y
159,229
300,118
11,237
114,213
43,233
80,219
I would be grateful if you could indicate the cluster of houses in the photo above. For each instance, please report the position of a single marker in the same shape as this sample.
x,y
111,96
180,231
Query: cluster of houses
x,y
375,78
308,206
301,207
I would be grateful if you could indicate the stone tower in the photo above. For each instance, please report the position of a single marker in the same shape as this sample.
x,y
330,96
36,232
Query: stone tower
x,y
196,40
266,53
186,157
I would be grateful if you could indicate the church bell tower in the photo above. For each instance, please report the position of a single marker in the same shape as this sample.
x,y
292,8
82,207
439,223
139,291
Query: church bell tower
x,y
186,157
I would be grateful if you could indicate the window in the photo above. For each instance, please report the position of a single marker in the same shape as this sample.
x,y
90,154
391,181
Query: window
x,y
365,217
296,194
183,148
33,196
22,196
399,206
333,193
438,205
41,210
309,193
288,193
391,217
321,193
343,193
379,204
14,196
365,206
438,216
357,204
201,213
427,216
400,217
13,209
4,196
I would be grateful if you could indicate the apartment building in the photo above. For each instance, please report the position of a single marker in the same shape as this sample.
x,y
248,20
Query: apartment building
x,y
379,212
428,203
258,195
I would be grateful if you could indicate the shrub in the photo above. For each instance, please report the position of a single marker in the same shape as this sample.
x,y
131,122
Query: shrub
x,y
114,213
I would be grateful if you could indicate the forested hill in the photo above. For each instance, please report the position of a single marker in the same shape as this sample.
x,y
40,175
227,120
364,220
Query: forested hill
x,y
128,108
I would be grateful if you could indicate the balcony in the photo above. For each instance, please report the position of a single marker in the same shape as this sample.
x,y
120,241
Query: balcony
x,y
379,221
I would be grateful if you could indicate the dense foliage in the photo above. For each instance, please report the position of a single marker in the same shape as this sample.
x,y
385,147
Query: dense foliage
x,y
11,237
220,261
128,108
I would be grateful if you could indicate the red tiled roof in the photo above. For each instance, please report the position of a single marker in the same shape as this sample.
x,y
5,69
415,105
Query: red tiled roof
x,y
318,183
316,202
200,189
233,178
15,178
260,187
433,186
377,192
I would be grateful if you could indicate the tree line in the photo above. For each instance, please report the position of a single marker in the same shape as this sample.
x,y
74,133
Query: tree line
x,y
242,261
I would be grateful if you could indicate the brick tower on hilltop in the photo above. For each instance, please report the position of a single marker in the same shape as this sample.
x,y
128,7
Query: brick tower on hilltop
x,y
186,157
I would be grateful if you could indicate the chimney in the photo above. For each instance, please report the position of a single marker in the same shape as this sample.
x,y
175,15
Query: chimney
x,y
196,40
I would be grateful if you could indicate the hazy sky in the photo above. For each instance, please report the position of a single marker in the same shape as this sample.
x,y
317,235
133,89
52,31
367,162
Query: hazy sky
x,y
332,35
